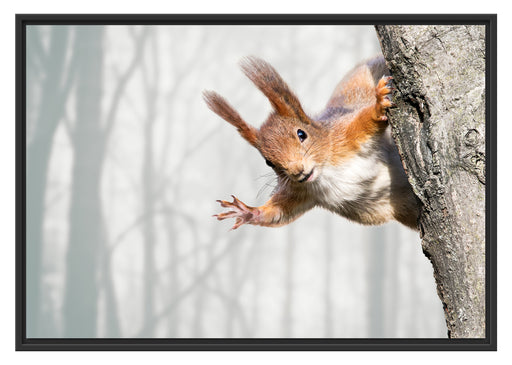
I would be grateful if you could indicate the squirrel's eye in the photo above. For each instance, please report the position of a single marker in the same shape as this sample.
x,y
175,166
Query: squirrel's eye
x,y
270,163
302,135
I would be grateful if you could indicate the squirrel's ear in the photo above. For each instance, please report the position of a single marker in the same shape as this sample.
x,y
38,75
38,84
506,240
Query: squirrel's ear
x,y
266,78
220,106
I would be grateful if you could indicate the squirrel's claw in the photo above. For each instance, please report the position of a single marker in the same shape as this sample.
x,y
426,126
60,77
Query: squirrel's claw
x,y
243,213
384,94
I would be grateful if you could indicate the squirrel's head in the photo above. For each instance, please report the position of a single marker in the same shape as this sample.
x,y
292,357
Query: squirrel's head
x,y
290,142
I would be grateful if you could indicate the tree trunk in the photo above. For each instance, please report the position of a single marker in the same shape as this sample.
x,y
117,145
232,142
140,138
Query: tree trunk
x,y
439,127
375,278
148,176
38,158
328,279
85,232
289,287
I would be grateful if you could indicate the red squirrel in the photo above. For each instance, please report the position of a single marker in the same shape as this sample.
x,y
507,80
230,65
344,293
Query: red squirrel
x,y
343,160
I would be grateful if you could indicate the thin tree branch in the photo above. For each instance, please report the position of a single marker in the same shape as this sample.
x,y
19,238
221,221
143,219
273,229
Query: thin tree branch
x,y
138,53
185,293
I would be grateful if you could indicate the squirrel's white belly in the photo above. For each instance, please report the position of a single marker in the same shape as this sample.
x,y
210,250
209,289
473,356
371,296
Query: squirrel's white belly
x,y
357,188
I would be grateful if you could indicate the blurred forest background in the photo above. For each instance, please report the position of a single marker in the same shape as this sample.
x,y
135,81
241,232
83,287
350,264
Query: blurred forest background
x,y
125,162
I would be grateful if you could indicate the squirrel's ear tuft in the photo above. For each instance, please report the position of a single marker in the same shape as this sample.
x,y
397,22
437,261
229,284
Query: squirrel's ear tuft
x,y
266,78
221,107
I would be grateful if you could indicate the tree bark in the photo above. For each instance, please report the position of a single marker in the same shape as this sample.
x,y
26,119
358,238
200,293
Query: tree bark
x,y
439,128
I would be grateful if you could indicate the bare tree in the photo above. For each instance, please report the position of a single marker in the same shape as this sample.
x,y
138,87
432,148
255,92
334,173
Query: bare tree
x,y
85,235
90,135
289,267
439,127
375,279
328,278
150,75
54,91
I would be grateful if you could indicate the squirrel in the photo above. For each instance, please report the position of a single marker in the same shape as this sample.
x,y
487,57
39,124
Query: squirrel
x,y
343,160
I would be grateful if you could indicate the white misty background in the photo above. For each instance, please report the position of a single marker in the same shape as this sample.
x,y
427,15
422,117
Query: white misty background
x,y
125,162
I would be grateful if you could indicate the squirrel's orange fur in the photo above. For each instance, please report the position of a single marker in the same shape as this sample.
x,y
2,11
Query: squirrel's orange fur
x,y
344,160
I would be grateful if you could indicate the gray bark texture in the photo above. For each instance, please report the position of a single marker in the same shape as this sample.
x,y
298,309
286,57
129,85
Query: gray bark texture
x,y
439,127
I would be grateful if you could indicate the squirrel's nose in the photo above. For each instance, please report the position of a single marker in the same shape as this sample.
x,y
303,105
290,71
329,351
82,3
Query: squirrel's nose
x,y
297,171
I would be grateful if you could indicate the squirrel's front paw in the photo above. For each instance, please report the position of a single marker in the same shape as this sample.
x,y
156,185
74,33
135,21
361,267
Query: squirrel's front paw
x,y
384,94
240,211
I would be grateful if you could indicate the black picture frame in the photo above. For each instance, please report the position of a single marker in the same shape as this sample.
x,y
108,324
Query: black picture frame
x,y
488,344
